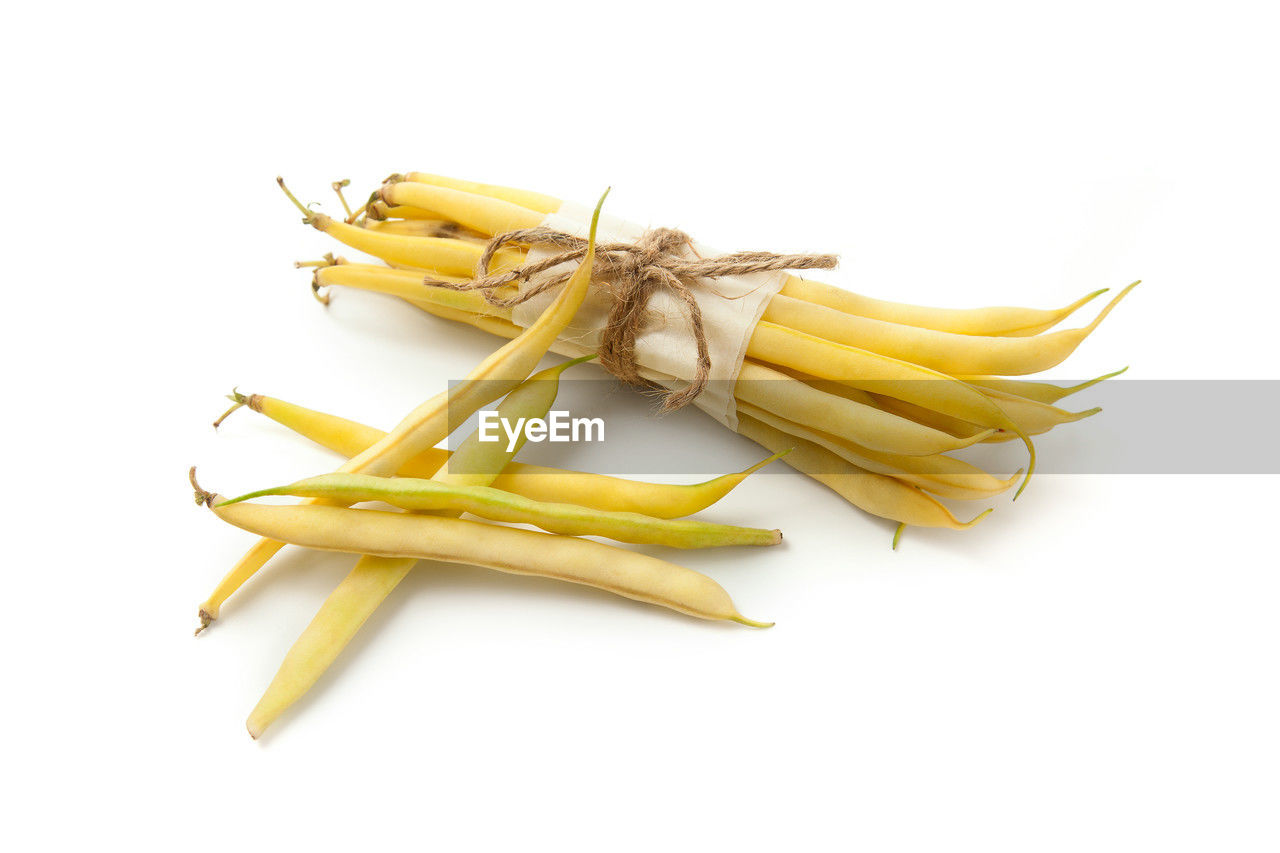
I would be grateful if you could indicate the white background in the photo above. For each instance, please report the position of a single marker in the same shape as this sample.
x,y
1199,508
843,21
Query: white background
x,y
1091,669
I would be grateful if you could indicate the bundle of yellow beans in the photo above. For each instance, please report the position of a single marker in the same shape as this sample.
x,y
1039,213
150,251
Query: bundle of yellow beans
x,y
865,396
870,395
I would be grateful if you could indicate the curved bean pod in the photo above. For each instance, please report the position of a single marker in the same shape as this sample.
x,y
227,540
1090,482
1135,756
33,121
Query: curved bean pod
x,y
1002,321
485,214
507,549
943,351
536,482
497,505
1041,392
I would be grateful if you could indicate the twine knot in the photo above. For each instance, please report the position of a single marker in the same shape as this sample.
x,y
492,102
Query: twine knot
x,y
632,273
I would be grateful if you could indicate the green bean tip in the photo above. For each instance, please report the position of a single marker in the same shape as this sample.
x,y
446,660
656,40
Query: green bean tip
x,y
742,620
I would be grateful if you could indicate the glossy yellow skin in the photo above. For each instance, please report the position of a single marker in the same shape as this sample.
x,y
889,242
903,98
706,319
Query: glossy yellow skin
x,y
498,505
508,549
447,254
482,213
525,198
553,485
943,351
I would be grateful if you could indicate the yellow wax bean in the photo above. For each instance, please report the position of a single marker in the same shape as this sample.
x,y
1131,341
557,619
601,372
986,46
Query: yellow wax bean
x,y
497,505
483,213
855,421
525,198
507,549
476,462
1008,322
882,374
944,476
406,284
552,485
944,351
1041,392
877,494
428,424
379,210
424,228
937,420
1035,418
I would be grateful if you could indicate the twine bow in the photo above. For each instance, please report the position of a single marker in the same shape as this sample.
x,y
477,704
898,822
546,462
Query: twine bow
x,y
632,272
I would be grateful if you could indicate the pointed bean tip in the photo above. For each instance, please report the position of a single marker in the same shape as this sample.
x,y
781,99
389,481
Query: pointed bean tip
x,y
742,620
971,522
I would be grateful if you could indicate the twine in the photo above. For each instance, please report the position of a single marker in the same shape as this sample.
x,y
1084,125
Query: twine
x,y
632,272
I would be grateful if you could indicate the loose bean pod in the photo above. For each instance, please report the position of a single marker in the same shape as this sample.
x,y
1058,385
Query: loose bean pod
x,y
554,485
508,549
497,505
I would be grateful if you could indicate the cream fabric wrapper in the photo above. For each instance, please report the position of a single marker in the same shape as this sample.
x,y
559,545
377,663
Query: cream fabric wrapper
x,y
731,307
